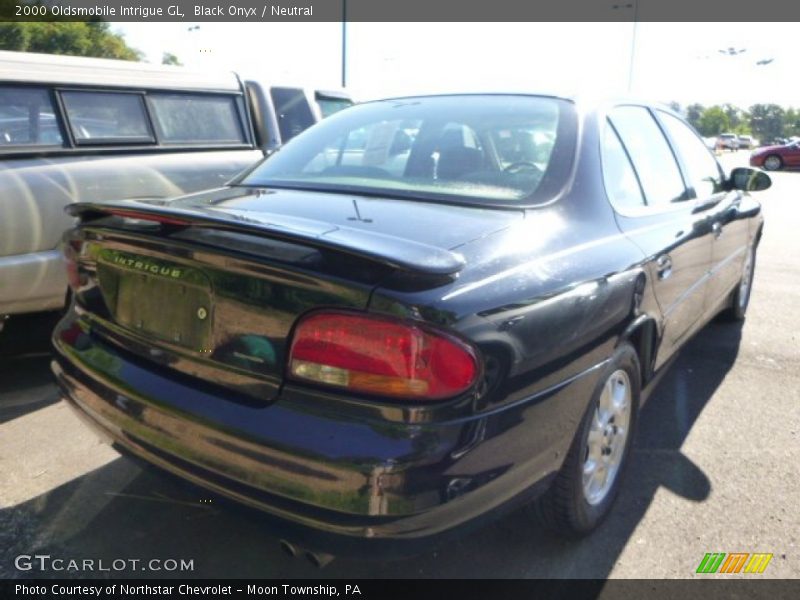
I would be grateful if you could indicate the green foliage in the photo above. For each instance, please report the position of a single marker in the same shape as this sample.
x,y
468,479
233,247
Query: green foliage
x,y
767,121
714,121
693,114
168,58
83,38
791,125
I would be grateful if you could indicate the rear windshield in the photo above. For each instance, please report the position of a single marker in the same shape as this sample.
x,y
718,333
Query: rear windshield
x,y
481,149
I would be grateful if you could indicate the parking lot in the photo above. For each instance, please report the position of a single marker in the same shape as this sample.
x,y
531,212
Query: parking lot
x,y
714,467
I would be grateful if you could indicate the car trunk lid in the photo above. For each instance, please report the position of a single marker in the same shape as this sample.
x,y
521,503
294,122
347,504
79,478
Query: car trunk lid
x,y
214,292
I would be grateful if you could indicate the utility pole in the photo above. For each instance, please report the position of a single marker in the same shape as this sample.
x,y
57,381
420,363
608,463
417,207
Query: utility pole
x,y
344,43
633,43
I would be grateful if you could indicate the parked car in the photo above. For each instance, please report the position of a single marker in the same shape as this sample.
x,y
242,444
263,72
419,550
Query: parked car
x,y
773,158
728,141
78,129
746,141
381,340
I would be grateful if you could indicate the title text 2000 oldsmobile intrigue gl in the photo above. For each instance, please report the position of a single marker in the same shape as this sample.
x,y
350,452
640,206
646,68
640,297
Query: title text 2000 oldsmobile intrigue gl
x,y
419,312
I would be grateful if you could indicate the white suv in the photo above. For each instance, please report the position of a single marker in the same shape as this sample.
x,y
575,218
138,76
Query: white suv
x,y
728,141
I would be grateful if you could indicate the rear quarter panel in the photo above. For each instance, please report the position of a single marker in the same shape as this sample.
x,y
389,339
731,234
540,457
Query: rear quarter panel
x,y
549,297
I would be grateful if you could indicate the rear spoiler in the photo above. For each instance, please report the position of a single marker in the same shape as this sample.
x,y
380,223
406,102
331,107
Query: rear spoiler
x,y
406,255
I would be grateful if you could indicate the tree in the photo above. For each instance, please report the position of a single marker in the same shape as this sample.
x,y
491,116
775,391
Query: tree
x,y
736,119
791,125
168,58
767,121
676,106
84,38
693,114
713,121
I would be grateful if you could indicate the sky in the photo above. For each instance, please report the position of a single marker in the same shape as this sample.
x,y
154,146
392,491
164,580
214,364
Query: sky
x,y
670,61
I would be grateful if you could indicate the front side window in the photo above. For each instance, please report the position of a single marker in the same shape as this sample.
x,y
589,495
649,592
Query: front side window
x,y
196,119
651,154
104,117
484,149
27,118
703,170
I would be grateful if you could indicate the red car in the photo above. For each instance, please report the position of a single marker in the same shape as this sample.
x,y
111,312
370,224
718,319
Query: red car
x,y
773,158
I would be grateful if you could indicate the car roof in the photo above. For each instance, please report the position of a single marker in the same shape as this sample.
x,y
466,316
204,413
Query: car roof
x,y
582,99
28,67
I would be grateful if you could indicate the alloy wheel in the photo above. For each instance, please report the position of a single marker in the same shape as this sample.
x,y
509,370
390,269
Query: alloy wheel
x,y
607,437
772,163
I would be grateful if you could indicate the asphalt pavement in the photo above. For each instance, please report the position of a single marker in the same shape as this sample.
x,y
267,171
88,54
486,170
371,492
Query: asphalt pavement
x,y
714,469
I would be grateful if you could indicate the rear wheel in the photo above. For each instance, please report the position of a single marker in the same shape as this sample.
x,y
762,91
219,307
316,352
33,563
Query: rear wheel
x,y
773,162
587,484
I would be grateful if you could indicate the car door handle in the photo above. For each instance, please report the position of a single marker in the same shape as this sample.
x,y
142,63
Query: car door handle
x,y
664,266
716,229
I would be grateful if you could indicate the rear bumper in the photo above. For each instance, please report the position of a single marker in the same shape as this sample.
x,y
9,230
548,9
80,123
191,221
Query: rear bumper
x,y
334,484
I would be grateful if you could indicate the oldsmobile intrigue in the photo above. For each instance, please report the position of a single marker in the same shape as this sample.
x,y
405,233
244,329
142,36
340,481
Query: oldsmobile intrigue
x,y
420,312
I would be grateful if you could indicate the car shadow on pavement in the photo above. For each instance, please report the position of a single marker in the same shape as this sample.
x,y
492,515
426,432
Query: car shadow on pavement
x,y
20,376
25,364
25,335
123,511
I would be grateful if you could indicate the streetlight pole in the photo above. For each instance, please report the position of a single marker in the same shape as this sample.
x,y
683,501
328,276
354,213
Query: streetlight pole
x,y
633,43
344,43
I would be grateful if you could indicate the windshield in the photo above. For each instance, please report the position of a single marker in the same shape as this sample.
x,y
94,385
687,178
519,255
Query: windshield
x,y
484,149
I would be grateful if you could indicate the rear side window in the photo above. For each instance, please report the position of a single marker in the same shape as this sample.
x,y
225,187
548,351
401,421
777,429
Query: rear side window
x,y
621,183
651,154
27,118
702,167
196,119
102,117
293,111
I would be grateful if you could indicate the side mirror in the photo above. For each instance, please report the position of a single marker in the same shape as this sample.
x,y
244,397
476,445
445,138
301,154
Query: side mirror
x,y
749,180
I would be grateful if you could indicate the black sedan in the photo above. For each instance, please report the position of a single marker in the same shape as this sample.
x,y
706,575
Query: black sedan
x,y
419,313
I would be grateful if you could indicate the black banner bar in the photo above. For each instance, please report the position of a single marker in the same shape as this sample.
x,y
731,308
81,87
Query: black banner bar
x,y
402,10
710,588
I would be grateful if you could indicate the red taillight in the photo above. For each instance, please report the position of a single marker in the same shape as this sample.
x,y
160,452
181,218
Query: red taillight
x,y
72,251
382,356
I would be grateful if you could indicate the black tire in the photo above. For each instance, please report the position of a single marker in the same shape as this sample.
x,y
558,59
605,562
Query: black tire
x,y
740,297
564,508
773,162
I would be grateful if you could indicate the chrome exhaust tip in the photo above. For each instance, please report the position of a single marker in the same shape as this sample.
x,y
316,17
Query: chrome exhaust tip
x,y
319,559
289,549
